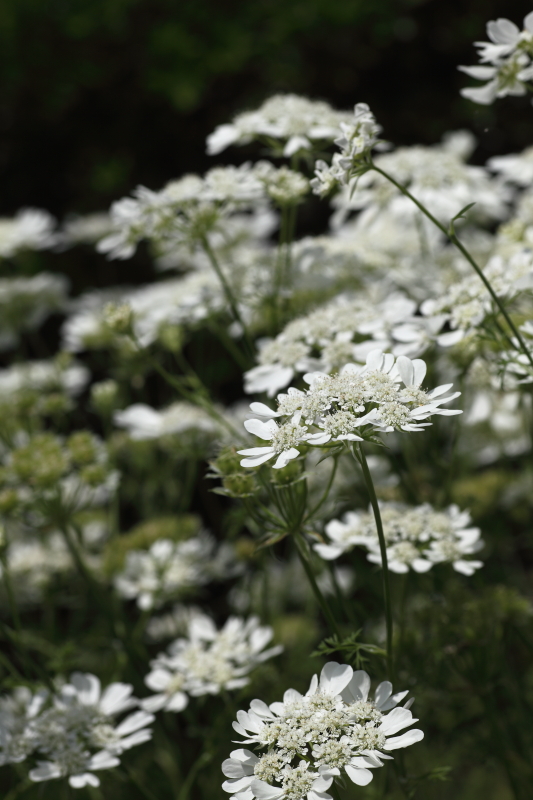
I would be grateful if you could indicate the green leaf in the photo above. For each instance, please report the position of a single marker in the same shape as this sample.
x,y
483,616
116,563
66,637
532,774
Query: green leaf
x,y
351,647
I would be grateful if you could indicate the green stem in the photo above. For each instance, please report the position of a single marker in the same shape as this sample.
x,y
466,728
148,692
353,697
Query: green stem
x,y
360,455
452,237
189,780
135,780
229,296
302,554
324,497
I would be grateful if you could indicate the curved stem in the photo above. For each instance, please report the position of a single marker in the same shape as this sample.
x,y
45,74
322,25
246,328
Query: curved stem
x,y
229,296
360,455
452,237
302,553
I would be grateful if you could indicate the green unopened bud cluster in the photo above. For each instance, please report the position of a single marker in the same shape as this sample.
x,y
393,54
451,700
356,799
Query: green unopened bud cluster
x,y
236,482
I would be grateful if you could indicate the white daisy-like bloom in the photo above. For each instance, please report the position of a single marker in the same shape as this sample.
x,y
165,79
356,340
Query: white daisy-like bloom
x,y
509,54
295,122
25,303
416,537
29,229
168,569
342,407
207,661
77,733
143,422
307,741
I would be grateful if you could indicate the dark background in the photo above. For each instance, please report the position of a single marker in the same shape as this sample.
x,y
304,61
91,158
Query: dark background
x,y
100,95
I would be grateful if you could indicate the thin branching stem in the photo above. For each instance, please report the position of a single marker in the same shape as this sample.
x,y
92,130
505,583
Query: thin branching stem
x,y
452,237
248,344
360,456
301,548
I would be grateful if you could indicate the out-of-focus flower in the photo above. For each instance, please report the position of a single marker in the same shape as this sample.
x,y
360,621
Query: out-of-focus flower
x,y
289,122
207,661
416,537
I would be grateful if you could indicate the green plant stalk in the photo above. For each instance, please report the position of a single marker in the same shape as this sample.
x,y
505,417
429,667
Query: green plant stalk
x,y
195,769
301,549
360,455
248,344
452,237
324,497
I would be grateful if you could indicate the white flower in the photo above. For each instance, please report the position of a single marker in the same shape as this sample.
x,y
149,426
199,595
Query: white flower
x,y
309,740
358,136
285,441
43,376
345,406
25,303
74,729
416,537
170,568
207,661
516,168
510,54
143,422
295,121
30,229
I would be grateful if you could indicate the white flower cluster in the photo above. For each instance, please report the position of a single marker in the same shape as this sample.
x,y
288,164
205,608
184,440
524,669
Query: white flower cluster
x,y
170,568
192,209
43,376
466,303
310,740
73,732
291,122
416,537
340,331
207,661
25,303
345,406
143,422
437,176
358,136
30,229
506,62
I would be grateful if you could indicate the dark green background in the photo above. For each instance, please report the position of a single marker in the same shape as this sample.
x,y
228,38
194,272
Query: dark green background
x,y
99,95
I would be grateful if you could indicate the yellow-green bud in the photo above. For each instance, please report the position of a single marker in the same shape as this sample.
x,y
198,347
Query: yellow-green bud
x,y
82,447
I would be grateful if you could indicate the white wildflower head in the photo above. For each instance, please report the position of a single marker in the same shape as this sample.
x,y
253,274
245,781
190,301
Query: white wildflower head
x,y
385,395
357,138
170,569
73,732
506,62
286,122
416,537
307,741
207,661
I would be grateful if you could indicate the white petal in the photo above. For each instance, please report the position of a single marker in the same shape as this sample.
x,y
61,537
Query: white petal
x,y
406,739
335,677
263,791
263,410
284,458
397,719
361,777
264,430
